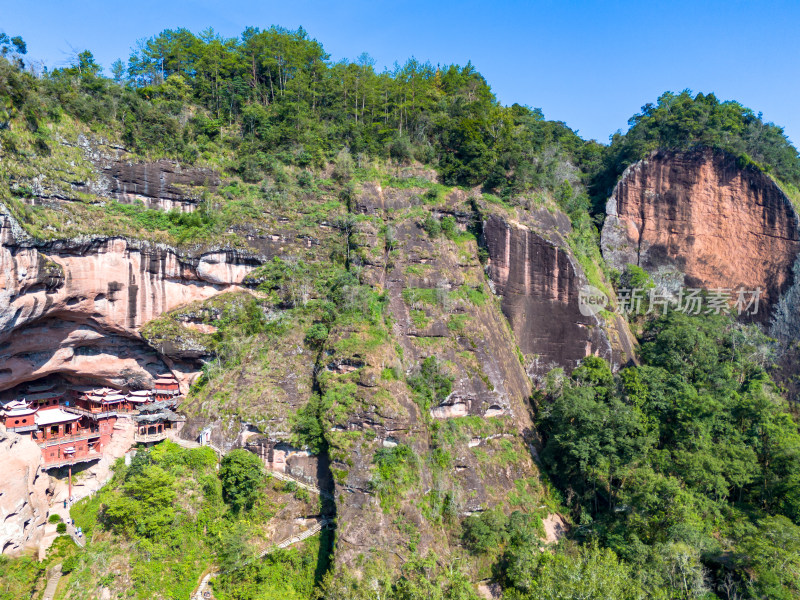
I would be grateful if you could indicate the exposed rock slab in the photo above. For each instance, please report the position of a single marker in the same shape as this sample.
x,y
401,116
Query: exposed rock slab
x,y
23,494
164,184
539,284
698,219
83,301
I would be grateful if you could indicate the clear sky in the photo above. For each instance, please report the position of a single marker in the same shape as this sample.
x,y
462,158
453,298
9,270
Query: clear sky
x,y
592,64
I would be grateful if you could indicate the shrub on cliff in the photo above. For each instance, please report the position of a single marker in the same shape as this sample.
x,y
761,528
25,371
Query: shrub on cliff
x,y
396,470
431,385
69,564
316,334
242,476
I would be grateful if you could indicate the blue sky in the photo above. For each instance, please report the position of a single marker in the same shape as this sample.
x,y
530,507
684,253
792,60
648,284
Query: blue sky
x,y
592,64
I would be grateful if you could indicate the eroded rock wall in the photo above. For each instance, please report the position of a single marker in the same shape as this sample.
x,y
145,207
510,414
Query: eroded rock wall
x,y
539,282
163,184
438,304
76,306
23,494
698,219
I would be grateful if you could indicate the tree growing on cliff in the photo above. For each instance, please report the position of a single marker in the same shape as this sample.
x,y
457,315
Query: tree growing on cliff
x,y
242,476
430,384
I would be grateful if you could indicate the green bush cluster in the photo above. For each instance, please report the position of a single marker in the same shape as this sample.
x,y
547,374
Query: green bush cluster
x,y
396,471
682,461
430,384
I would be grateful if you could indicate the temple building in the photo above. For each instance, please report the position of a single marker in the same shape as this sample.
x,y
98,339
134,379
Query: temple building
x,y
167,388
67,438
19,416
137,398
72,424
155,421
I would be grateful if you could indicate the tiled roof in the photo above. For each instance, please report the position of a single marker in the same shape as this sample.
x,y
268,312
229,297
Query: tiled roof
x,y
53,416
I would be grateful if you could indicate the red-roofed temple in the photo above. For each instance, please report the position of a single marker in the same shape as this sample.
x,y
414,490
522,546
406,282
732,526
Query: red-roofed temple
x,y
72,425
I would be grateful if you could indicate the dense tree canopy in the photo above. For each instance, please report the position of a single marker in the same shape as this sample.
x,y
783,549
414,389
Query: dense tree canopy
x,y
684,121
681,460
274,94
242,476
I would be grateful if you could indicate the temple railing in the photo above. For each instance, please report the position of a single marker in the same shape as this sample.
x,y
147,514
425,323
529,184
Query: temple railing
x,y
90,413
67,438
144,438
71,461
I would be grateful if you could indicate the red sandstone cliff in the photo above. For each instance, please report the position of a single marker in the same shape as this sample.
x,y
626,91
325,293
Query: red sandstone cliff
x,y
539,281
75,306
698,219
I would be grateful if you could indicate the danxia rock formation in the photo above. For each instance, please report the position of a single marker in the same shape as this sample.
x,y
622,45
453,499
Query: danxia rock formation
x,y
698,219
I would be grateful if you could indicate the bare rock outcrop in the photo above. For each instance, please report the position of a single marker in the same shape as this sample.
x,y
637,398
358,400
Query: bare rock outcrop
x,y
112,172
163,184
23,494
439,305
81,302
539,282
698,219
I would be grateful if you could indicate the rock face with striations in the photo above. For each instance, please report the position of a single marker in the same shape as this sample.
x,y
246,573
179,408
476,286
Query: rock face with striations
x,y
539,283
75,306
23,494
439,305
163,184
698,219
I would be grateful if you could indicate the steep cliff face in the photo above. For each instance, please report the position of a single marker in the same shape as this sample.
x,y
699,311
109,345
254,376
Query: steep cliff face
x,y
103,169
75,306
439,304
23,496
698,219
436,302
539,283
163,184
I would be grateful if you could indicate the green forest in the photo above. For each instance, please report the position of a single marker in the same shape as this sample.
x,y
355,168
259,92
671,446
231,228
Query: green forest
x,y
679,475
274,97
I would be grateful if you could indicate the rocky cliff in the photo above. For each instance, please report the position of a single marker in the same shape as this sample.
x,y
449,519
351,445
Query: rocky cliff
x,y
164,184
539,282
490,335
84,166
75,306
699,219
438,304
23,496
78,302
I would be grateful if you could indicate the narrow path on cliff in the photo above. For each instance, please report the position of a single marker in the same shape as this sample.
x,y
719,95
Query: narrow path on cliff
x,y
52,583
205,580
189,444
303,535
306,486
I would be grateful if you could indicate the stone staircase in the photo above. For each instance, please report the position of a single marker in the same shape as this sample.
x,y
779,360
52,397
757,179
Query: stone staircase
x,y
52,583
321,524
302,484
